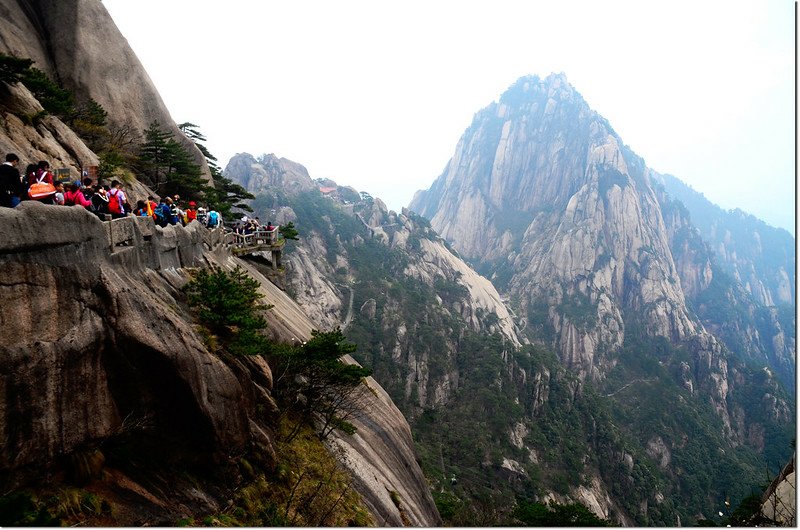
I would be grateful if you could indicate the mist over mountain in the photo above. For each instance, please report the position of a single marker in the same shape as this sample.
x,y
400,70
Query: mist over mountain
x,y
759,257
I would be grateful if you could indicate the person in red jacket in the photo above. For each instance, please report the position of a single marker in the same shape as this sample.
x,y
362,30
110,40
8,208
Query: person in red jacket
x,y
191,212
74,196
42,174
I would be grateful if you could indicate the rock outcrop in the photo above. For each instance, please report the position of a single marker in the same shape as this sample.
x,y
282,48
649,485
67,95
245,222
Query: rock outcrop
x,y
759,257
724,305
77,44
542,186
570,224
779,503
327,288
96,347
92,342
572,227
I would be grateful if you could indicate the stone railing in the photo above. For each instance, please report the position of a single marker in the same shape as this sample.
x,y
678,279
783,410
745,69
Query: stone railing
x,y
63,236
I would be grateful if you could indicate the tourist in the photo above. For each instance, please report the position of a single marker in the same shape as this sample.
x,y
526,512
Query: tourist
x,y
141,209
42,173
11,188
30,174
58,197
87,190
214,219
176,207
100,201
162,212
40,183
151,206
191,212
75,196
173,211
117,202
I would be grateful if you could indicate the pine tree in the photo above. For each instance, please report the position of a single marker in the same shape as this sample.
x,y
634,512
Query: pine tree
x,y
225,195
169,166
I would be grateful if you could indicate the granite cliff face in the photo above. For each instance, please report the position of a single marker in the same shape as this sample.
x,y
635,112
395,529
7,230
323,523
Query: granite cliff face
x,y
543,192
600,263
432,329
98,350
77,44
759,257
309,277
101,355
543,196
444,345
759,333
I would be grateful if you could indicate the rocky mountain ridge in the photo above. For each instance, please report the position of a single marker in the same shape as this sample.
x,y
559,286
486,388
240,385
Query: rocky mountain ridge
x,y
91,383
588,235
756,255
410,314
544,198
571,222
764,335
400,294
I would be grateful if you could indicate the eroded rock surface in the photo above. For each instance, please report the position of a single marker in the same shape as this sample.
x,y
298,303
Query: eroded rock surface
x,y
95,346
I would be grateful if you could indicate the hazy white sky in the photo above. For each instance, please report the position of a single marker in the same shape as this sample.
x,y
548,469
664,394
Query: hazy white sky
x,y
375,94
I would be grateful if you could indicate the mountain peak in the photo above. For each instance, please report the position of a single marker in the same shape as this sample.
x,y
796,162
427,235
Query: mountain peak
x,y
527,90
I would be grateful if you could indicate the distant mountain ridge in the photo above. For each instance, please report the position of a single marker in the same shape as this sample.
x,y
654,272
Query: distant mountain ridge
x,y
757,255
495,420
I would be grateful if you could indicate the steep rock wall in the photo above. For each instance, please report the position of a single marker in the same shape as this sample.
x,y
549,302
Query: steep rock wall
x,y
96,343
541,188
77,44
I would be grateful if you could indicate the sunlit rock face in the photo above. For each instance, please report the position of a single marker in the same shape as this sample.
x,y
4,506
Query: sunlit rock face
x,y
543,197
543,193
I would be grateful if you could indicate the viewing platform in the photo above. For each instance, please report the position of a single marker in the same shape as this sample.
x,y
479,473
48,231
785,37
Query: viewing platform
x,y
260,240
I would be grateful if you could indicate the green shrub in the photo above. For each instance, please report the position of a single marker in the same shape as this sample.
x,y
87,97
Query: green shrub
x,y
229,305
328,385
22,509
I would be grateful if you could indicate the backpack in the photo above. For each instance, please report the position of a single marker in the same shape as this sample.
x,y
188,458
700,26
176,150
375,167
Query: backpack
x,y
162,213
113,201
213,219
98,204
69,199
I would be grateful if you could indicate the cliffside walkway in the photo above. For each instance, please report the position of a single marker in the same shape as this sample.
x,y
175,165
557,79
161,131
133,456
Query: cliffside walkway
x,y
126,232
261,240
